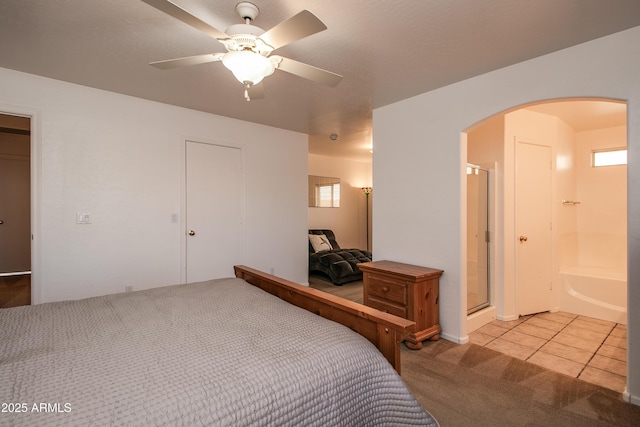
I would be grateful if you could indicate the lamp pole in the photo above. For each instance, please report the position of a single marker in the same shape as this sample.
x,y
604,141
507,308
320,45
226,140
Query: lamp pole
x,y
367,191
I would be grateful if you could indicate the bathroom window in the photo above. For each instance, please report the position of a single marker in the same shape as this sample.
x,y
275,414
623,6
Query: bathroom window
x,y
609,157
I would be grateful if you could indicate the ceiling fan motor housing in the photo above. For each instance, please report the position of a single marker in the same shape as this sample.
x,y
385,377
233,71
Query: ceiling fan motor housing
x,y
246,37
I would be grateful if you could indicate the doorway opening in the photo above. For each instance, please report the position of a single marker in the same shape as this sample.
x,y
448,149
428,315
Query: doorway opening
x,y
15,210
586,260
588,233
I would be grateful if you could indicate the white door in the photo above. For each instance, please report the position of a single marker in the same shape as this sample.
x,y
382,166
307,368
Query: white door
x,y
214,211
533,227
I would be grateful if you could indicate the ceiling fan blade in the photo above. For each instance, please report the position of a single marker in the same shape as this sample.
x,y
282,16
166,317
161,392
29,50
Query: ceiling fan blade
x,y
256,91
179,13
309,72
188,60
295,28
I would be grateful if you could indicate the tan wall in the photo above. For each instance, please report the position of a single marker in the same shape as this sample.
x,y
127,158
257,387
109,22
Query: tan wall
x,y
348,222
602,192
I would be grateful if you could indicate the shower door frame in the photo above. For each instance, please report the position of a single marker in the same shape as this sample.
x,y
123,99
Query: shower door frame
x,y
487,303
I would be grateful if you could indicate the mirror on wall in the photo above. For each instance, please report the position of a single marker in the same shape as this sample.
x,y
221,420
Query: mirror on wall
x,y
324,192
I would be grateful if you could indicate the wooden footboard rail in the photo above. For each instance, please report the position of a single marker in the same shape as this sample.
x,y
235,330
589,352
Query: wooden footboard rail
x,y
384,330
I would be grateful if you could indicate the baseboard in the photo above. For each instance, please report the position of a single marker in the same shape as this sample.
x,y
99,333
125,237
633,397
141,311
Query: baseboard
x,y
634,400
455,339
508,318
480,318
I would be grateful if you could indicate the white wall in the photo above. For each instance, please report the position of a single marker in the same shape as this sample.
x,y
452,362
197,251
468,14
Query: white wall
x,y
419,155
602,214
567,188
121,159
348,222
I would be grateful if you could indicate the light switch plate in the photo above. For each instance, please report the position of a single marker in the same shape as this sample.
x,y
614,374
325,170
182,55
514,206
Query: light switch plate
x,y
83,218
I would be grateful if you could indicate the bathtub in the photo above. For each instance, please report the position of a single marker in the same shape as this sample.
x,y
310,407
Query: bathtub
x,y
595,292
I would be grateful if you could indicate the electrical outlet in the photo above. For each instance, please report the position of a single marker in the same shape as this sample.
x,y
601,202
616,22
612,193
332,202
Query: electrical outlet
x,y
128,288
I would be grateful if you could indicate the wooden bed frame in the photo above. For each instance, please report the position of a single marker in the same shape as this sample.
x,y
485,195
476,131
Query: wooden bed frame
x,y
384,330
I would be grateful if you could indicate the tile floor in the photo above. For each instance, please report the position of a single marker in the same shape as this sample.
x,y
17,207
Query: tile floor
x,y
590,349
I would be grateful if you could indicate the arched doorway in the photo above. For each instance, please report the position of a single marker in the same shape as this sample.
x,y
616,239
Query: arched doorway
x,y
573,129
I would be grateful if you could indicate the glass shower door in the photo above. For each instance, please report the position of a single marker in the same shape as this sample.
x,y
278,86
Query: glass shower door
x,y
477,238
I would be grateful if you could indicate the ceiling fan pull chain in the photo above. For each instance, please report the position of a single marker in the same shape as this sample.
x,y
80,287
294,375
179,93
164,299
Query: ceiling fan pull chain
x,y
246,91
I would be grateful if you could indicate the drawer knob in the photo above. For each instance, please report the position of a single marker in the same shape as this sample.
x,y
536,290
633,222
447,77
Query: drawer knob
x,y
385,289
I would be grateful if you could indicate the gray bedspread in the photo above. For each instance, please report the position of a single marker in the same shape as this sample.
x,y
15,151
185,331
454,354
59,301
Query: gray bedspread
x,y
214,353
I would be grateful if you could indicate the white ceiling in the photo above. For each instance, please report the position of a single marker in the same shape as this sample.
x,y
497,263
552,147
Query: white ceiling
x,y
386,50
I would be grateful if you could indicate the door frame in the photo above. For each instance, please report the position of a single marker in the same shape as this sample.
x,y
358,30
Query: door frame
x,y
36,194
183,195
489,237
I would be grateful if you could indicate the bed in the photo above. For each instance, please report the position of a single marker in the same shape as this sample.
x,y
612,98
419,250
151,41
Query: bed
x,y
250,350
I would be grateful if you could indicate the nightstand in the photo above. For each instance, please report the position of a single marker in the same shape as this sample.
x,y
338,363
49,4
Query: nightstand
x,y
405,290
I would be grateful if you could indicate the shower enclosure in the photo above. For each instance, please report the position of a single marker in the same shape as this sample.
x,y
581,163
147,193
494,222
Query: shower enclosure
x,y
477,238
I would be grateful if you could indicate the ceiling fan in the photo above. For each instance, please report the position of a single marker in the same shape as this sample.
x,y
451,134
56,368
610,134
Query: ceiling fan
x,y
249,47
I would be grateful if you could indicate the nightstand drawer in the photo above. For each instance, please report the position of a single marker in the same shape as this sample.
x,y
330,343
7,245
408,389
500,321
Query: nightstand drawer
x,y
383,288
387,307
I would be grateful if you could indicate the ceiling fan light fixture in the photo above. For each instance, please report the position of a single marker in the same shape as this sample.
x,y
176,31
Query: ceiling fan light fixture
x,y
249,47
248,66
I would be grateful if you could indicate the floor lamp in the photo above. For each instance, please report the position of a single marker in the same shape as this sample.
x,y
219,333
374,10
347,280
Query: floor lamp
x,y
367,191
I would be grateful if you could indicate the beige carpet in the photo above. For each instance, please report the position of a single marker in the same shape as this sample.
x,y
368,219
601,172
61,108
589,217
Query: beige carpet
x,y
470,385
351,290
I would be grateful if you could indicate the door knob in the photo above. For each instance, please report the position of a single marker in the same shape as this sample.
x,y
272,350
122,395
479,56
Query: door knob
x,y
192,233
1,222
523,238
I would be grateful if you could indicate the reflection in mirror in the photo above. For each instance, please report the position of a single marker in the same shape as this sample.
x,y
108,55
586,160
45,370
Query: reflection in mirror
x,y
324,192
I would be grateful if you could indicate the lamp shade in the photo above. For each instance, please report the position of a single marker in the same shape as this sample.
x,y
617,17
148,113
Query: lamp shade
x,y
247,66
